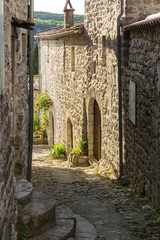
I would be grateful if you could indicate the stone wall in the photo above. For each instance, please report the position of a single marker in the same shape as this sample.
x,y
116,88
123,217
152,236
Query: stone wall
x,y
94,78
61,84
138,10
142,140
13,116
102,73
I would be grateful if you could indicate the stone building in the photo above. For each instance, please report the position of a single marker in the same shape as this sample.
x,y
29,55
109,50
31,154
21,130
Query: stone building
x,y
142,134
14,109
92,71
76,70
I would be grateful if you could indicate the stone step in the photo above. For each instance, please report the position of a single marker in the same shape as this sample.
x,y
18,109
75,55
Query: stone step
x,y
24,193
64,227
38,217
62,230
84,230
69,226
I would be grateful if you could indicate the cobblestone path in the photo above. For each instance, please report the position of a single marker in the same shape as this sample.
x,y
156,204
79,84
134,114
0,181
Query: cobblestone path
x,y
116,212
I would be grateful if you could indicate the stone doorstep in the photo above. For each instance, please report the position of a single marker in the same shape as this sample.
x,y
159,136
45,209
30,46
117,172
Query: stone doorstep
x,y
38,217
78,160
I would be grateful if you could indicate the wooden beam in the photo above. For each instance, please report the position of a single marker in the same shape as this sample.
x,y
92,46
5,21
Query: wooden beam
x,y
22,23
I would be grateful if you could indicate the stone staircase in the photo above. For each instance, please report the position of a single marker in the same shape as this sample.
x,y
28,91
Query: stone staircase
x,y
43,218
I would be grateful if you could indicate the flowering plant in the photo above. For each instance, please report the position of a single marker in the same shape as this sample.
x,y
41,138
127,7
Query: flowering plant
x,y
40,119
43,102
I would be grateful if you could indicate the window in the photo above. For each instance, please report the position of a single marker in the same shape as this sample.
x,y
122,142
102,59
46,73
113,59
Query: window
x,y
104,51
72,59
1,48
24,45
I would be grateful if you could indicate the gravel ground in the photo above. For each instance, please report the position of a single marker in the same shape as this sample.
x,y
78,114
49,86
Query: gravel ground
x,y
116,212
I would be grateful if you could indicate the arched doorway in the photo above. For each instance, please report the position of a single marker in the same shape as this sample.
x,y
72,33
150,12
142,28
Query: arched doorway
x,y
97,131
51,129
69,136
94,130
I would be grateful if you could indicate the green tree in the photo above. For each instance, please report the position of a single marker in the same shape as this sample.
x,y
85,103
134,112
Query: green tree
x,y
35,59
46,20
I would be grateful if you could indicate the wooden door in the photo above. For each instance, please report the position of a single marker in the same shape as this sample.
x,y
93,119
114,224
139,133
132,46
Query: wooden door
x,y
97,131
51,129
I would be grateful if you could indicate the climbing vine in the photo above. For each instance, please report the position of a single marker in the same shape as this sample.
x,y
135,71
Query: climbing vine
x,y
40,119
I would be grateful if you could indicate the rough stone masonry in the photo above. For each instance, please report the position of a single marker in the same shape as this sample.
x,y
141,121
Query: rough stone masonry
x,y
79,70
13,116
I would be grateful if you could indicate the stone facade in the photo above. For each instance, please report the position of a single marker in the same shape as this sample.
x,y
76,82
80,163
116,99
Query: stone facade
x,y
142,140
138,10
13,116
80,73
94,78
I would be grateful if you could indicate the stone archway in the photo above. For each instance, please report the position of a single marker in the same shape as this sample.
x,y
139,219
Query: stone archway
x,y
69,136
94,131
51,129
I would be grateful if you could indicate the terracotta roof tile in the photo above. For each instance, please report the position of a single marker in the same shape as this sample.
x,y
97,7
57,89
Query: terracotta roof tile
x,y
151,20
58,30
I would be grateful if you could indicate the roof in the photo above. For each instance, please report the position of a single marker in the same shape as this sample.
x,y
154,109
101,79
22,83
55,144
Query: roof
x,y
58,32
151,20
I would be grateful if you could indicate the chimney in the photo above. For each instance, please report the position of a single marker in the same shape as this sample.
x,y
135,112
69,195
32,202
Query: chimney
x,y
68,15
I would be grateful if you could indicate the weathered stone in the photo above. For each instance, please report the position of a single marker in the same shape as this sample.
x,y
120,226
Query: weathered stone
x,y
141,141
94,77
13,116
38,217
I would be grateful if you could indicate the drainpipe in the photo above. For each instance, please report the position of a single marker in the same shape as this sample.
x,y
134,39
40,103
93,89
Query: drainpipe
x,y
119,88
31,6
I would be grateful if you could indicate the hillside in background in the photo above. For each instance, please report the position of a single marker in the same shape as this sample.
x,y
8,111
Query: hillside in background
x,y
46,20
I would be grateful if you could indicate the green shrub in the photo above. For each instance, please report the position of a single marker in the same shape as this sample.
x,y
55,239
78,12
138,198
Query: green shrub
x,y
81,149
76,151
57,150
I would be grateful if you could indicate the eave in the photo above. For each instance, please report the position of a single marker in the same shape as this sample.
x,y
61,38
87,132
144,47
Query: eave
x,y
146,23
67,32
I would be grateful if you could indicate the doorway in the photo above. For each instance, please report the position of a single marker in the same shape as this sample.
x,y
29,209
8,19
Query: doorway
x,y
69,136
97,131
51,129
94,130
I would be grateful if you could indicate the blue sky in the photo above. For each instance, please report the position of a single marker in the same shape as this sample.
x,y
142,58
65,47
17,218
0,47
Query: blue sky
x,y
56,6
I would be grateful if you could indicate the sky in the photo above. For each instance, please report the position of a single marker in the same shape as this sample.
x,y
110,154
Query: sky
x,y
57,6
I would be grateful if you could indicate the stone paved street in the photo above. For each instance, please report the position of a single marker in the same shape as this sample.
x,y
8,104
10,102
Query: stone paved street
x,y
116,212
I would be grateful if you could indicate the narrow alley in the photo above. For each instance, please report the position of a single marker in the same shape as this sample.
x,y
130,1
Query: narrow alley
x,y
115,211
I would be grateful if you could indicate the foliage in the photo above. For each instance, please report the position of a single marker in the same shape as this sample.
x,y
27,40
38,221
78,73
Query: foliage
x,y
35,59
57,150
43,102
25,227
36,121
40,119
41,133
76,151
81,148
155,217
46,20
